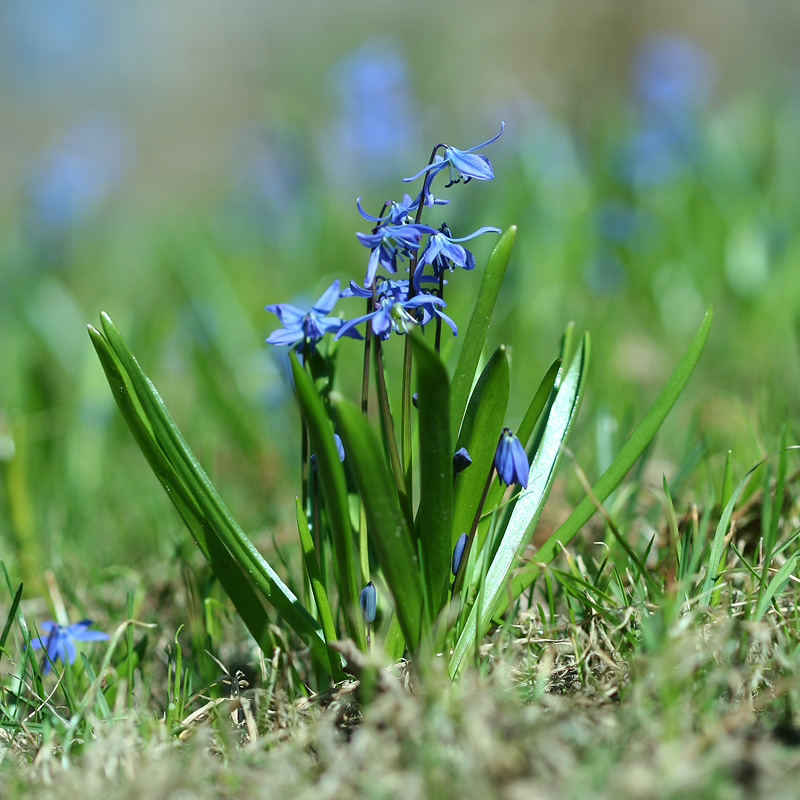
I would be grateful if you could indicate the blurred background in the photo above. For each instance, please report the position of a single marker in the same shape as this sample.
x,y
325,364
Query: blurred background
x,y
182,164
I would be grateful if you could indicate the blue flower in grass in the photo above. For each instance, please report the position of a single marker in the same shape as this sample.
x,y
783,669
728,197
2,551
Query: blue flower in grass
x,y
59,641
510,460
307,326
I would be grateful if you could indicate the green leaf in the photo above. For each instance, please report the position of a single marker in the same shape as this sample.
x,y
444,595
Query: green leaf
x,y
434,523
192,492
317,587
627,457
331,474
475,336
528,506
480,431
388,529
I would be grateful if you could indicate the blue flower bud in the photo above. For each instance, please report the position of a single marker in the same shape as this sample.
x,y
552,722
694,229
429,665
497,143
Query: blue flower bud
x,y
458,552
368,601
510,460
461,460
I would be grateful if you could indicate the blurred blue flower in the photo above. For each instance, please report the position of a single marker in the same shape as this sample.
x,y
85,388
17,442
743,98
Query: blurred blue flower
x,y
510,460
310,326
673,77
77,174
368,599
374,120
59,643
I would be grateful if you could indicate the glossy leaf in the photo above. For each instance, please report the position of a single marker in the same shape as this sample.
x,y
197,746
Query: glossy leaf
x,y
528,506
435,516
330,471
183,477
475,336
388,530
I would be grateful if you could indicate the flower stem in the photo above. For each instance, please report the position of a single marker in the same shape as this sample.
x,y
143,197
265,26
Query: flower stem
x,y
459,579
391,438
405,414
438,339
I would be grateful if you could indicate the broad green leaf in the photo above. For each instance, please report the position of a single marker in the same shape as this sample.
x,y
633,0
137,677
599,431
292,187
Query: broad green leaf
x,y
195,490
627,457
334,486
225,568
528,506
436,474
480,431
388,529
476,330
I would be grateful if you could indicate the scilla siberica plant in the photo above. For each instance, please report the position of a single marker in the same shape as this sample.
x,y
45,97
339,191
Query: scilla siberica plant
x,y
409,543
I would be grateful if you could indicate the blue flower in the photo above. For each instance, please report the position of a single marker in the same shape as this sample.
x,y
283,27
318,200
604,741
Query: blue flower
x,y
392,307
510,460
443,252
461,164
390,242
458,552
307,326
59,643
368,601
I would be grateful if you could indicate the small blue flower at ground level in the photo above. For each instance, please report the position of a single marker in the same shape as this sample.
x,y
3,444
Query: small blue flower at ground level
x,y
461,460
312,459
59,641
510,460
310,326
461,164
458,552
443,251
390,242
368,601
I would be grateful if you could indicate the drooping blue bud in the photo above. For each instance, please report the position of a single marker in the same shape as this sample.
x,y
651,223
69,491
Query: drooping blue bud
x,y
458,552
368,601
461,460
510,460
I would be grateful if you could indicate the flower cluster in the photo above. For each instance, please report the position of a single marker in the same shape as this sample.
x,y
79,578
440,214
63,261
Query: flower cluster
x,y
398,236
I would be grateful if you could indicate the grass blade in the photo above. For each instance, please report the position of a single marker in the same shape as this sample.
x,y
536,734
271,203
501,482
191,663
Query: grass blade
x,y
627,457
